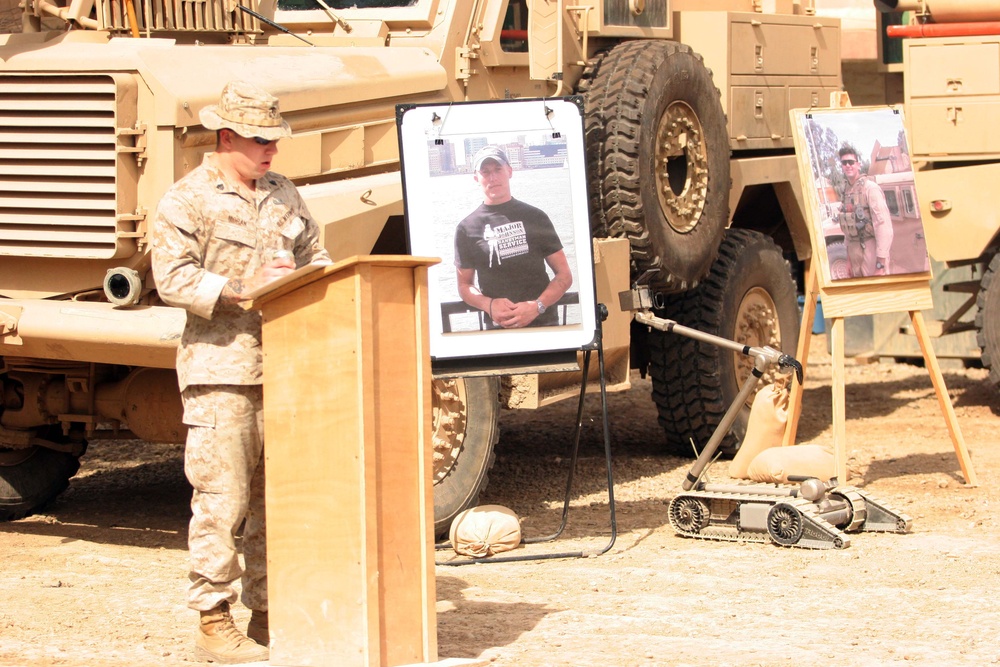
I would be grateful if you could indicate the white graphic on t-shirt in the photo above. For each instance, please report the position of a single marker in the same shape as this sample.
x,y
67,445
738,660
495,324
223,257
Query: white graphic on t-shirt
x,y
511,240
492,241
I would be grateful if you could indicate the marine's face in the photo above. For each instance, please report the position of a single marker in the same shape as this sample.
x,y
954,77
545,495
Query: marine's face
x,y
494,178
849,165
252,156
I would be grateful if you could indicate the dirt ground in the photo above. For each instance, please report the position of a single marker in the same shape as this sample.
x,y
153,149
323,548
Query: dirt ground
x,y
99,578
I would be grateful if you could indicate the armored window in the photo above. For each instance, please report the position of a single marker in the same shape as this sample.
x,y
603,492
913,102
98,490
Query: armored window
x,y
908,203
892,202
514,36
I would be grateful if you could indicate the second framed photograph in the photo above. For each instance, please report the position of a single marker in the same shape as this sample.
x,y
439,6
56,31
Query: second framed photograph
x,y
864,208
498,191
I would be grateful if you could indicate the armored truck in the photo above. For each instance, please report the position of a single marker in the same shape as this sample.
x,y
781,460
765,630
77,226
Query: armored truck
x,y
948,52
692,179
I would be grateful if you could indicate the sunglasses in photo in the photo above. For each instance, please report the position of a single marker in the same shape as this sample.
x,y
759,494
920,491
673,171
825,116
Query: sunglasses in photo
x,y
264,142
846,163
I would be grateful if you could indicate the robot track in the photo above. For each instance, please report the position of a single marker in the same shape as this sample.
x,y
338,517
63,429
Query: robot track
x,y
778,514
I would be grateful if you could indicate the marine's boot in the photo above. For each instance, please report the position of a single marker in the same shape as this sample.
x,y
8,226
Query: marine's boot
x,y
218,640
257,629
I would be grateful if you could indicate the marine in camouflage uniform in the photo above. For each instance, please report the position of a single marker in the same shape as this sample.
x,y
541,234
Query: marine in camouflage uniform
x,y
864,218
216,234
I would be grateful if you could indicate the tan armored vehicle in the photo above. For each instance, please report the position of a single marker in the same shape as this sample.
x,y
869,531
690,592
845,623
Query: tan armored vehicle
x,y
948,54
687,134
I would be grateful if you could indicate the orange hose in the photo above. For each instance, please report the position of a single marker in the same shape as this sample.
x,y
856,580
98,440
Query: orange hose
x,y
132,21
944,29
514,34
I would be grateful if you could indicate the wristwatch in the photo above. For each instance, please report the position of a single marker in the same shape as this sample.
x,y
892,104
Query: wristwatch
x,y
879,265
541,307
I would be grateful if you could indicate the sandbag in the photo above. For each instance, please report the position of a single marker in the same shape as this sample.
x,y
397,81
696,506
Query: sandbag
x,y
774,465
765,428
484,531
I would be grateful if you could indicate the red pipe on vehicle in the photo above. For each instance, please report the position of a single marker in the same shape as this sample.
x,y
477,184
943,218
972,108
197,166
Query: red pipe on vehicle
x,y
944,29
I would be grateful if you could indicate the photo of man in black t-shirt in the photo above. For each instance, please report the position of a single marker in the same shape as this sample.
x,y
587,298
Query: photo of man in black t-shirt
x,y
502,250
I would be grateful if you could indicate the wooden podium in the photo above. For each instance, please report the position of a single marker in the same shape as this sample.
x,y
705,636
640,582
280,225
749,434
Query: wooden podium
x,y
350,513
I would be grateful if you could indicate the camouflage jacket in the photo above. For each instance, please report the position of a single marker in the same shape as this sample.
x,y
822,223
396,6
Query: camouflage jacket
x,y
205,232
865,214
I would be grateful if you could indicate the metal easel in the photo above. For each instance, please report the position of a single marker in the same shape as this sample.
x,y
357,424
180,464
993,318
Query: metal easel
x,y
598,344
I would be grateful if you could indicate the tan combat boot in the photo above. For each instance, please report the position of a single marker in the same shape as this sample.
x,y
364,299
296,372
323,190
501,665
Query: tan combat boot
x,y
218,640
258,629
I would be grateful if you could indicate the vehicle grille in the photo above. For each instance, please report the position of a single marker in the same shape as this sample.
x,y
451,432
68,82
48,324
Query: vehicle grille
x,y
67,172
178,16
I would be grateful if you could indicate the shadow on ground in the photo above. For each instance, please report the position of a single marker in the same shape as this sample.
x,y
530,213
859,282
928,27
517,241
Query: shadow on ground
x,y
461,623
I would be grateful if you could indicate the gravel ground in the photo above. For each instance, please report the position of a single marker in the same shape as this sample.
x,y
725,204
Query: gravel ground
x,y
99,578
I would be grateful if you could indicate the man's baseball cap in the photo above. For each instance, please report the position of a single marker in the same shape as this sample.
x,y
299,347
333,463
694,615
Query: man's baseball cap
x,y
248,111
489,153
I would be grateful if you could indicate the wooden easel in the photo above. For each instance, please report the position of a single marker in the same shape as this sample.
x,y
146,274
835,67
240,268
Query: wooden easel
x,y
860,296
839,308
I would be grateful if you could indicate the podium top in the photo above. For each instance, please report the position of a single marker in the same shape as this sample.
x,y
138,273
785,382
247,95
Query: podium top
x,y
313,272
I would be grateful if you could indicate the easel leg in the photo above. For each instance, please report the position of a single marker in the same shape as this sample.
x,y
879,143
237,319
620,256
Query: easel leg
x,y
569,481
943,399
574,456
839,400
802,354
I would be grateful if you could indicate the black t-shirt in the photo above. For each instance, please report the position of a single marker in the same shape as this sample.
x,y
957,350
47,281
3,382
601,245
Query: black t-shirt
x,y
506,244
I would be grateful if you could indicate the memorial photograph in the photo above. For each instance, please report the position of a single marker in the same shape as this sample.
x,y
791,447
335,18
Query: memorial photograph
x,y
864,209
497,191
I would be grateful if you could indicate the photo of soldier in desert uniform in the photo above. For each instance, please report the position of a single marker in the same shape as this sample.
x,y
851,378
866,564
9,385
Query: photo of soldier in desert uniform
x,y
869,218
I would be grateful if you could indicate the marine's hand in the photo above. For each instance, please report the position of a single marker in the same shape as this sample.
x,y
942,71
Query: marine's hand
x,y
518,315
500,309
234,290
269,272
273,270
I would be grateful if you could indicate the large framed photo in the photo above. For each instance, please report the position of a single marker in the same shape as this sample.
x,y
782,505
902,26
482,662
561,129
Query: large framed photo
x,y
498,191
866,222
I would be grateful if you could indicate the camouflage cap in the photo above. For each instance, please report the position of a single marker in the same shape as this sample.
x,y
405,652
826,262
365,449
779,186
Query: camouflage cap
x,y
489,153
247,110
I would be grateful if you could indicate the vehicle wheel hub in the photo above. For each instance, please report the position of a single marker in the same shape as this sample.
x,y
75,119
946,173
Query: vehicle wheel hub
x,y
681,167
757,325
690,514
784,523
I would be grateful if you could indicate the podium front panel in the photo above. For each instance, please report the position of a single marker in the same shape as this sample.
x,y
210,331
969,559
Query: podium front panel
x,y
349,493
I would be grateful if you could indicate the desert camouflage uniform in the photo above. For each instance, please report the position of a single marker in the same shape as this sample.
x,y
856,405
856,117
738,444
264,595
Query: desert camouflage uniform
x,y
206,231
867,226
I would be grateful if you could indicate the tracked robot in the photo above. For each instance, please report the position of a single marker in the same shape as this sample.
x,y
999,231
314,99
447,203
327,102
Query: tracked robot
x,y
810,512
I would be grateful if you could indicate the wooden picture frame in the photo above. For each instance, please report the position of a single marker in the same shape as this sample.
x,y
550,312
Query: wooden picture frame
x,y
542,143
857,179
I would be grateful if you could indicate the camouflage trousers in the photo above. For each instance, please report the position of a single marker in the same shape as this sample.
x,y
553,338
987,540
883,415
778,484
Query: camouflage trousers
x,y
224,461
861,253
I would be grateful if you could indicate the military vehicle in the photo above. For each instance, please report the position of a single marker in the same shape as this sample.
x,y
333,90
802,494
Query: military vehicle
x,y
946,52
690,158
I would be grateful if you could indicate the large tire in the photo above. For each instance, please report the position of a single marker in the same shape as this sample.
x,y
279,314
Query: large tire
x,y
30,478
658,158
750,297
988,319
465,427
840,263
